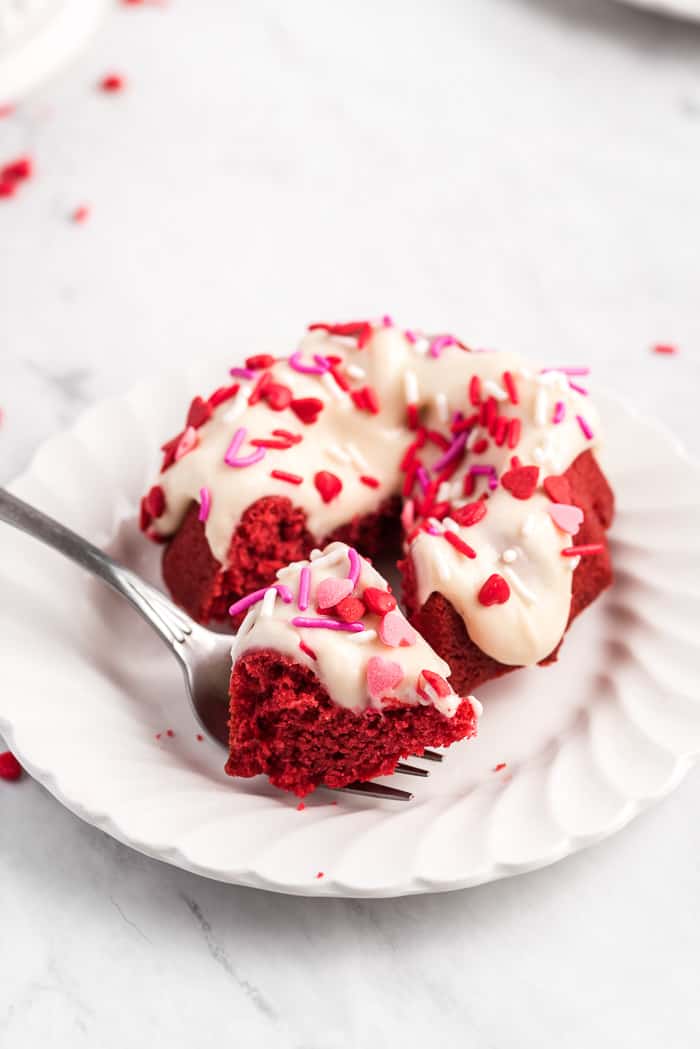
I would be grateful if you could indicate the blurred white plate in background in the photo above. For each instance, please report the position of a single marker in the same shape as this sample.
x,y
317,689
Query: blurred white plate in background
x,y
676,8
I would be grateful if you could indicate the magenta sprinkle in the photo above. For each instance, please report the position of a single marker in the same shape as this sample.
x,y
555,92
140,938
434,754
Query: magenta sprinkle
x,y
204,504
231,458
242,373
322,362
411,335
327,624
482,471
307,369
304,588
452,452
559,412
568,371
441,343
354,559
587,432
251,599
387,321
432,530
423,479
579,389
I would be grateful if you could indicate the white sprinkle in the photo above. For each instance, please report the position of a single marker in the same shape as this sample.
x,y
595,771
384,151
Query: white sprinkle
x,y
315,554
495,390
525,373
329,559
450,524
429,691
518,585
238,405
249,620
267,606
355,371
528,526
443,569
444,491
337,453
473,438
541,407
410,385
442,407
509,555
364,637
539,454
357,459
476,705
332,387
421,345
574,562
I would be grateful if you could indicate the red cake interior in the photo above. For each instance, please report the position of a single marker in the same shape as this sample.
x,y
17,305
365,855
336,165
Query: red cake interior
x,y
284,724
442,626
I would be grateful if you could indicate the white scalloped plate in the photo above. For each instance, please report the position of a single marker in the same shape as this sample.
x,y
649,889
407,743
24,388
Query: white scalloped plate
x,y
673,8
588,743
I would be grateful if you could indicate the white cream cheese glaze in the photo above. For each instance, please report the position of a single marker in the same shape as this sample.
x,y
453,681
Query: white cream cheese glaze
x,y
351,443
341,659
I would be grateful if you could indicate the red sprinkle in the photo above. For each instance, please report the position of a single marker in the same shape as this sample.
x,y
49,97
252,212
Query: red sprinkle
x,y
410,478
664,348
583,551
558,489
521,482
437,438
7,188
282,475
509,383
81,213
480,446
154,502
277,395
293,438
301,806
362,330
475,390
259,361
270,442
307,650
471,513
437,682
320,874
495,591
339,378
379,601
458,543
307,409
169,733
371,482
200,737
199,413
10,768
328,485
112,82
224,393
499,766
500,430
412,416
257,391
17,170
350,609
514,431
6,110
468,484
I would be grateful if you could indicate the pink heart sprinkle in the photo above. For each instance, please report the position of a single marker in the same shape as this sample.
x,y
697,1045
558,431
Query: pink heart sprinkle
x,y
330,591
383,675
395,631
567,518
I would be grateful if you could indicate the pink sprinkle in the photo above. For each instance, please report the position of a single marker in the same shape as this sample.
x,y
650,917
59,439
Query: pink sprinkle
x,y
81,213
320,874
170,734
354,559
204,504
432,530
327,624
411,336
307,369
387,321
559,412
247,460
587,432
664,348
251,599
482,471
423,479
242,373
408,514
441,343
187,442
304,588
6,110
568,371
579,389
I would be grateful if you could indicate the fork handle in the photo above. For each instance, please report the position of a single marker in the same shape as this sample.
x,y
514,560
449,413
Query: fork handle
x,y
169,622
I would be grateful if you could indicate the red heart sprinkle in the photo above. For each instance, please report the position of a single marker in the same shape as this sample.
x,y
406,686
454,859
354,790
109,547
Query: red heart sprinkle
x,y
495,591
350,609
379,601
169,449
10,767
259,361
278,396
155,501
558,489
521,482
328,485
470,514
307,408
200,412
437,682
224,393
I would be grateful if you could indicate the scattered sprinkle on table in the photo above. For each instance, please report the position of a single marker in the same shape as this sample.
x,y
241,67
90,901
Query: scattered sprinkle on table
x,y
112,82
10,768
665,349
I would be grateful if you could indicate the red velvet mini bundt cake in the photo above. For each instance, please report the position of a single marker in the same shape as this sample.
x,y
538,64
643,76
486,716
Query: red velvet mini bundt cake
x,y
331,684
483,463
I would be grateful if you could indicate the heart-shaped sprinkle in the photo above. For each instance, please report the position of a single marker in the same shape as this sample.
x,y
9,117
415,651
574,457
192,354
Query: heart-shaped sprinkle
x,y
169,449
521,482
495,591
278,396
396,631
430,685
350,610
383,676
200,412
332,590
187,442
259,361
557,488
470,514
307,409
224,393
379,601
328,485
568,518
155,501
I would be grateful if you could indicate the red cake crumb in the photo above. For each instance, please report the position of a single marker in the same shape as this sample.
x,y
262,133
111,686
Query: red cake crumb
x,y
112,82
301,806
321,874
284,724
10,768
443,627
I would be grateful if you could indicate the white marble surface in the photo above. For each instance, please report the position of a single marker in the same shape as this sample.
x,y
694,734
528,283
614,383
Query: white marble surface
x,y
523,171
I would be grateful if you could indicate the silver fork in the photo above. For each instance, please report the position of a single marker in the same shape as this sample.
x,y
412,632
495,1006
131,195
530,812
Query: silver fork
x,y
203,655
